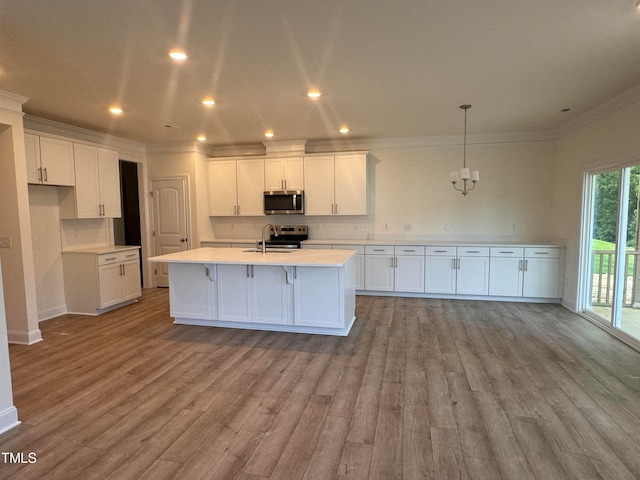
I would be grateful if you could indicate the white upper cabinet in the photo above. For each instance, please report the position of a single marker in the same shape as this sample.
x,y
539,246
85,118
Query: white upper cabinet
x,y
97,191
49,160
236,187
283,174
336,184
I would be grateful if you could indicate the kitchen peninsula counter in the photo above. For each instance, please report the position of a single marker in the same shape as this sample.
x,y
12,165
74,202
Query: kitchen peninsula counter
x,y
302,291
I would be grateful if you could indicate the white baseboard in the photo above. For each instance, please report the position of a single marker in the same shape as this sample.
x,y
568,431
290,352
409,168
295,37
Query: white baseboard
x,y
51,313
8,419
25,338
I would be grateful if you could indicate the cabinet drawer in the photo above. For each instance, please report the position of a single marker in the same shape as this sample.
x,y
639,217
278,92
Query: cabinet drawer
x,y
441,251
515,252
473,251
118,257
409,250
358,248
379,249
542,252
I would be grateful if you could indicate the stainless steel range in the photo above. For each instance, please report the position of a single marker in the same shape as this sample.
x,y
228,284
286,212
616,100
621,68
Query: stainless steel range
x,y
288,236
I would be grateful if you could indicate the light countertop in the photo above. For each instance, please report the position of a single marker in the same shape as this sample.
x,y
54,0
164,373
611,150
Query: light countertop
x,y
241,256
103,249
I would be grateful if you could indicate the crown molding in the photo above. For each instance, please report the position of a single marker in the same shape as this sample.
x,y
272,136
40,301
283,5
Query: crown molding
x,y
125,147
619,102
10,102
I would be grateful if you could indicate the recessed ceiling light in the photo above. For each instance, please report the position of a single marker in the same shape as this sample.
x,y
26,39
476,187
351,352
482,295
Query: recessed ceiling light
x,y
268,134
178,54
314,93
201,138
344,129
208,102
115,110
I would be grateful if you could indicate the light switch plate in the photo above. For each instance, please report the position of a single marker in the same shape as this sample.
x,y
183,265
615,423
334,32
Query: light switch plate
x,y
5,242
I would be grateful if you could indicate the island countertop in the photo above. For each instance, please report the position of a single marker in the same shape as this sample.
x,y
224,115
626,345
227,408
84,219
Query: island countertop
x,y
243,256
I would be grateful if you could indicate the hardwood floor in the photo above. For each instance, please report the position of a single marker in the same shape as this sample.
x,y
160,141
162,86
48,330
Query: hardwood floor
x,y
421,388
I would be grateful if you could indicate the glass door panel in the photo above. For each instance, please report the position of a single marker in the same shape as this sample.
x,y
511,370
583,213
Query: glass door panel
x,y
627,313
604,220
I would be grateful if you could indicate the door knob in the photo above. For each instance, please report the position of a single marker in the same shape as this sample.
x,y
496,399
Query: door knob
x,y
183,240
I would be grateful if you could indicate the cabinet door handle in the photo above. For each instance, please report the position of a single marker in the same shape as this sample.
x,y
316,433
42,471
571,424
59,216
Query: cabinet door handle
x,y
541,253
457,264
248,274
46,177
408,251
519,265
440,251
40,174
238,209
526,265
295,272
473,251
131,255
110,259
207,273
336,208
285,184
506,252
454,265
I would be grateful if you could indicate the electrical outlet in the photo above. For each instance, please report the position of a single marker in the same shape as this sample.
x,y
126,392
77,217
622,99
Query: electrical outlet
x,y
446,227
407,227
514,227
385,227
5,242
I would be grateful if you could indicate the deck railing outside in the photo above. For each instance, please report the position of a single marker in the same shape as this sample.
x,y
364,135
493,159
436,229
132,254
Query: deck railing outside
x,y
603,263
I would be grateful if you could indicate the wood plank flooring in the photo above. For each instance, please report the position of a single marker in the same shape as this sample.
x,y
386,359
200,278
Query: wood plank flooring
x,y
420,389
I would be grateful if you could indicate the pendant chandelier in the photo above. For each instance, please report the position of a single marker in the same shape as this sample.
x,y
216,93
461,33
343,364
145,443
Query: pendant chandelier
x,y
464,175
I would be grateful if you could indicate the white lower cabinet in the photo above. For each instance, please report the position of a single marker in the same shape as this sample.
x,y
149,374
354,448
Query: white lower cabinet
x,y
96,282
379,273
457,270
397,268
541,272
317,297
193,293
531,272
472,277
253,293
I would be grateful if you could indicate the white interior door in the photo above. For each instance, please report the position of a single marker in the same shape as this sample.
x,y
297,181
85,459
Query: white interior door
x,y
169,221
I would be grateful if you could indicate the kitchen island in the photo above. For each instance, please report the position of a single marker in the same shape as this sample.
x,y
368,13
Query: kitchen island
x,y
302,291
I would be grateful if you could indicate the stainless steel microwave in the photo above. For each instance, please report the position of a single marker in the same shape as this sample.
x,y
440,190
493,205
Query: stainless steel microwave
x,y
284,202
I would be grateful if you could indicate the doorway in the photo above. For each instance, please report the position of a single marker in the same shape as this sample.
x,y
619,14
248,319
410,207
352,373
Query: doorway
x,y
127,229
612,284
170,221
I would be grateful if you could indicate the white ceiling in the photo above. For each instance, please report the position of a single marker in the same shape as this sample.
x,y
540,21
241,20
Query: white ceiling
x,y
388,69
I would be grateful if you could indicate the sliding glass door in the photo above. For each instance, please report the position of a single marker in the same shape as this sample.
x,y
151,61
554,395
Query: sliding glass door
x,y
612,289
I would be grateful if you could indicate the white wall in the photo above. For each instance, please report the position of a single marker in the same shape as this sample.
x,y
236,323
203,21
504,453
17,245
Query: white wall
x,y
8,413
19,280
409,186
610,140
45,230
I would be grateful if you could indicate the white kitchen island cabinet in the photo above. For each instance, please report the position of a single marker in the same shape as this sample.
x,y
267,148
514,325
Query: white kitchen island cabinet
x,y
301,291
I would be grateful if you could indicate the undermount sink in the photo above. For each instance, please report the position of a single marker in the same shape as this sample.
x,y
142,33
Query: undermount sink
x,y
269,250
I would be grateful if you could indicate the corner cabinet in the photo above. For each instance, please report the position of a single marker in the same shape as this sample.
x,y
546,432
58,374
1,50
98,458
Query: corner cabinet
x,y
49,161
99,280
97,190
236,187
336,184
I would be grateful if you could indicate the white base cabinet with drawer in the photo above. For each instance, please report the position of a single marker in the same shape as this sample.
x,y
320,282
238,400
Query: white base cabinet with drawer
x,y
457,270
531,272
98,281
394,268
